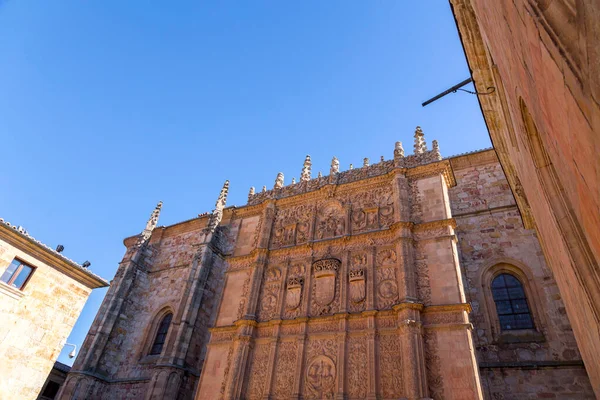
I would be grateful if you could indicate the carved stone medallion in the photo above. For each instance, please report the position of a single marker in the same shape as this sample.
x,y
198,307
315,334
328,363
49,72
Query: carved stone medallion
x,y
325,272
320,377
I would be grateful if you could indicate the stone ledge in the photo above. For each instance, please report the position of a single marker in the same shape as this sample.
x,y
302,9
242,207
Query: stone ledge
x,y
531,364
10,291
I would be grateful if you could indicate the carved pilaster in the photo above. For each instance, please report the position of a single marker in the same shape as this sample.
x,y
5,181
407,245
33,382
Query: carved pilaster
x,y
344,281
299,375
410,332
371,258
235,379
341,339
272,360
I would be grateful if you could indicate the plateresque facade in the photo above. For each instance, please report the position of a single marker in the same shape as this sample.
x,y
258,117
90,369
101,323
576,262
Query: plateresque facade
x,y
409,278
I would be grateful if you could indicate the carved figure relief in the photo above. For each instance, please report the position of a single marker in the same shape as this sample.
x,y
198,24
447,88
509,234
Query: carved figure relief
x,y
372,210
320,378
325,274
387,287
270,294
331,222
291,226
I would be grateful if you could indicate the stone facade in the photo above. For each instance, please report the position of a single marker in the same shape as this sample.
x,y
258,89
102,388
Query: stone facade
x,y
37,317
363,284
540,59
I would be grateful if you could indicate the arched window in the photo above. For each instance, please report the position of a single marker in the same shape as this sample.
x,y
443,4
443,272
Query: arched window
x,y
511,303
161,334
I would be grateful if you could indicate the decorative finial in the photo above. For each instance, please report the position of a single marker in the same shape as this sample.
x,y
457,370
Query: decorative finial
x,y
320,174
151,224
278,181
365,162
351,166
382,159
305,174
420,145
399,150
293,181
264,189
436,149
251,193
217,214
335,166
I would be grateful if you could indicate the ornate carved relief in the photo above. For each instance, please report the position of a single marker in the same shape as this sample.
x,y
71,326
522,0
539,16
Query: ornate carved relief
x,y
433,367
390,365
285,368
372,209
244,298
226,372
320,371
292,226
386,257
325,285
356,370
423,285
385,275
331,221
270,294
258,372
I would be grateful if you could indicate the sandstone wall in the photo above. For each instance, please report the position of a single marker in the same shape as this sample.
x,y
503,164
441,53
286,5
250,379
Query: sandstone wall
x,y
492,239
543,60
35,323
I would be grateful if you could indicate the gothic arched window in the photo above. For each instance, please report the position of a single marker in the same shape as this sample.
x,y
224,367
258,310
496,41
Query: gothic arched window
x,y
511,303
161,334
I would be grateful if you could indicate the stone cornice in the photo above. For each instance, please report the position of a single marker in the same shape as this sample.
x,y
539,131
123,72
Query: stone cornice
x,y
32,247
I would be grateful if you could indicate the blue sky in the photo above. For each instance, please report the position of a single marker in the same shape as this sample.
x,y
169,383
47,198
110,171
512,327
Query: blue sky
x,y
107,107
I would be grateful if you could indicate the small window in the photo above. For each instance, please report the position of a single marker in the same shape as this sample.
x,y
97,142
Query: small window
x,y
511,303
51,390
161,334
17,274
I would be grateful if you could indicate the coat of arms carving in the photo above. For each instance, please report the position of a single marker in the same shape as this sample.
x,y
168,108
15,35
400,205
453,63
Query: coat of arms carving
x,y
357,285
325,272
294,293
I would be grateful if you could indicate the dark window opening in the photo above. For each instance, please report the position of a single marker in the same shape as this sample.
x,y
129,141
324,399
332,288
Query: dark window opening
x,y
161,334
51,390
17,274
511,303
